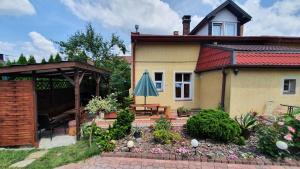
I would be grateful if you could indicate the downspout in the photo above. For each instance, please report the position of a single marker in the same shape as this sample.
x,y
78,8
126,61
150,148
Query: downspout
x,y
224,75
133,69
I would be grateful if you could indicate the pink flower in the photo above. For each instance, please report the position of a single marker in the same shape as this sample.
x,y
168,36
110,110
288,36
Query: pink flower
x,y
291,129
297,117
280,123
288,137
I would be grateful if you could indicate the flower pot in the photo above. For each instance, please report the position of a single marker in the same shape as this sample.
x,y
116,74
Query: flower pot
x,y
110,115
246,134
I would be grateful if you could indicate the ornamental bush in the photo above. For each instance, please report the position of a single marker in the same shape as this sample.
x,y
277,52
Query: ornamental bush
x,y
213,124
122,126
165,136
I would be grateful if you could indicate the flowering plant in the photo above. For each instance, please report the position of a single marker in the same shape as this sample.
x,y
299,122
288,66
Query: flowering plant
x,y
283,133
156,150
183,151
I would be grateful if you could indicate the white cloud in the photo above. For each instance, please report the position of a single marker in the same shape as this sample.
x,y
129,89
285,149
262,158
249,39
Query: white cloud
x,y
280,19
16,7
212,3
153,16
39,46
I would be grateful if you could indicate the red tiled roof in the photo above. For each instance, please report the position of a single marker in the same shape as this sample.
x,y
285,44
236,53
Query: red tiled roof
x,y
218,56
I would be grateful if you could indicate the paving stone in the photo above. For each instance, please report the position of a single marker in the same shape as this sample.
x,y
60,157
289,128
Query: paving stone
x,y
37,154
22,164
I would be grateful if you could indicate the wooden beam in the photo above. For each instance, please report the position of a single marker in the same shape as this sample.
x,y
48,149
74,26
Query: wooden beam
x,y
97,78
35,121
81,77
77,103
67,77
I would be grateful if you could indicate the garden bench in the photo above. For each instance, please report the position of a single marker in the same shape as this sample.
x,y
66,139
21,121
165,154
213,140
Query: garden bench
x,y
145,108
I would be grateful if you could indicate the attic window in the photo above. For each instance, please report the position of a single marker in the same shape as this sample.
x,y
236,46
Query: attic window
x,y
224,29
217,29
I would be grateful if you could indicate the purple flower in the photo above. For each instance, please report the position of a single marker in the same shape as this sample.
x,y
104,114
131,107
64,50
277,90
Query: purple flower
x,y
232,157
183,150
156,151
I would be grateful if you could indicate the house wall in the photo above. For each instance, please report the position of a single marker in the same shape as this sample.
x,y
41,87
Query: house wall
x,y
210,88
261,91
223,16
168,58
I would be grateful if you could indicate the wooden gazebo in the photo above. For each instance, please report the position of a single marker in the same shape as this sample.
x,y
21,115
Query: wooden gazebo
x,y
15,93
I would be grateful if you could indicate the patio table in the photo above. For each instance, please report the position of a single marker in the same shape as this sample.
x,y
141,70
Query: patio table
x,y
146,108
290,108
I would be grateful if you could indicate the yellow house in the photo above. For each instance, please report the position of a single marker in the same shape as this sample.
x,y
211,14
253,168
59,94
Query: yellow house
x,y
214,65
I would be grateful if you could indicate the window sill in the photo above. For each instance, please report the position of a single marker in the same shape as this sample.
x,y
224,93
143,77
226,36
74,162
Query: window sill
x,y
183,99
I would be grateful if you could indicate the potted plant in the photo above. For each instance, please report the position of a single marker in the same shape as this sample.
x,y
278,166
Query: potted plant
x,y
182,111
112,114
246,122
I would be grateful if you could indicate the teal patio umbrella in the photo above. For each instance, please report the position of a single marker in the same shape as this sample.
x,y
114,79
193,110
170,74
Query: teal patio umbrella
x,y
145,86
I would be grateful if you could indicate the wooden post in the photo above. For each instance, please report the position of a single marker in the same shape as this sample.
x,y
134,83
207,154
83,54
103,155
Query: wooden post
x,y
35,116
77,103
51,95
97,84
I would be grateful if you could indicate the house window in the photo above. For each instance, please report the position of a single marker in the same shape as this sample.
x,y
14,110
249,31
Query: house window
x,y
224,29
230,29
183,83
217,29
158,78
289,86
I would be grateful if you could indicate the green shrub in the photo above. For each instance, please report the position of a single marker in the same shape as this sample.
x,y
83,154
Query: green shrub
x,y
162,124
122,125
165,136
267,138
214,124
239,141
86,130
105,145
246,122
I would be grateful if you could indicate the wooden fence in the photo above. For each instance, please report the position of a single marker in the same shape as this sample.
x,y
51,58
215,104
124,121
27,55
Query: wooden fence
x,y
17,113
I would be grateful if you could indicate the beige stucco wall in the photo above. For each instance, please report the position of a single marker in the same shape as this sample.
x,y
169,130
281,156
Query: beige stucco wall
x,y
210,88
261,91
168,58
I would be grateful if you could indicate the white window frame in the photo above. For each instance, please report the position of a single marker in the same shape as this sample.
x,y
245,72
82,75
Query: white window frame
x,y
162,82
235,28
222,28
182,91
286,92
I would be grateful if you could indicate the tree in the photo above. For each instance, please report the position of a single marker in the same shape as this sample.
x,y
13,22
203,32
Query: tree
x,y
51,59
43,61
89,44
22,60
57,58
31,60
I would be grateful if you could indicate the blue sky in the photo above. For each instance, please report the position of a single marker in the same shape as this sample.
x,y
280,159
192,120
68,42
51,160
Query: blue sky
x,y
31,26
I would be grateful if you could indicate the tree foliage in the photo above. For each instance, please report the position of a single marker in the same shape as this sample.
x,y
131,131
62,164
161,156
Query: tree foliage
x,y
51,59
43,61
31,60
22,60
57,58
89,44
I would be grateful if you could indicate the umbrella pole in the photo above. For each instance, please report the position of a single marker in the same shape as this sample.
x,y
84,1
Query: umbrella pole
x,y
144,103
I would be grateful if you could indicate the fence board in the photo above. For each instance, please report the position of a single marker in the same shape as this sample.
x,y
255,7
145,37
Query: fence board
x,y
17,113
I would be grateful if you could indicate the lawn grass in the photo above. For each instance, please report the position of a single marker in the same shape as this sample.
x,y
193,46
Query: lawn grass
x,y
64,155
9,157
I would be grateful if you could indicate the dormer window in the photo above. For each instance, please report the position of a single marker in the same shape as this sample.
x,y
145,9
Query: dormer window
x,y
224,29
217,29
230,29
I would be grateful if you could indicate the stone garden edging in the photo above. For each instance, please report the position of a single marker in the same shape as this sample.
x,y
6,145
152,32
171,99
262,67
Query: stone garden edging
x,y
201,159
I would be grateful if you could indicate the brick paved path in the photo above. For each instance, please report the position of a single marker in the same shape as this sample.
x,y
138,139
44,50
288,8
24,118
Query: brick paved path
x,y
133,163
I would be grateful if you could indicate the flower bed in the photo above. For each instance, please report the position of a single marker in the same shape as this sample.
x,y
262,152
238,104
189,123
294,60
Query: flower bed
x,y
208,150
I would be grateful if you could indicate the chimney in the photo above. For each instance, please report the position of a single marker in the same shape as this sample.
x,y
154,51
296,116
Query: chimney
x,y
186,20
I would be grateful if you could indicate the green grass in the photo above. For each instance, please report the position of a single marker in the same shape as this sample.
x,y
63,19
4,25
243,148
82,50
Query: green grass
x,y
64,155
9,157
